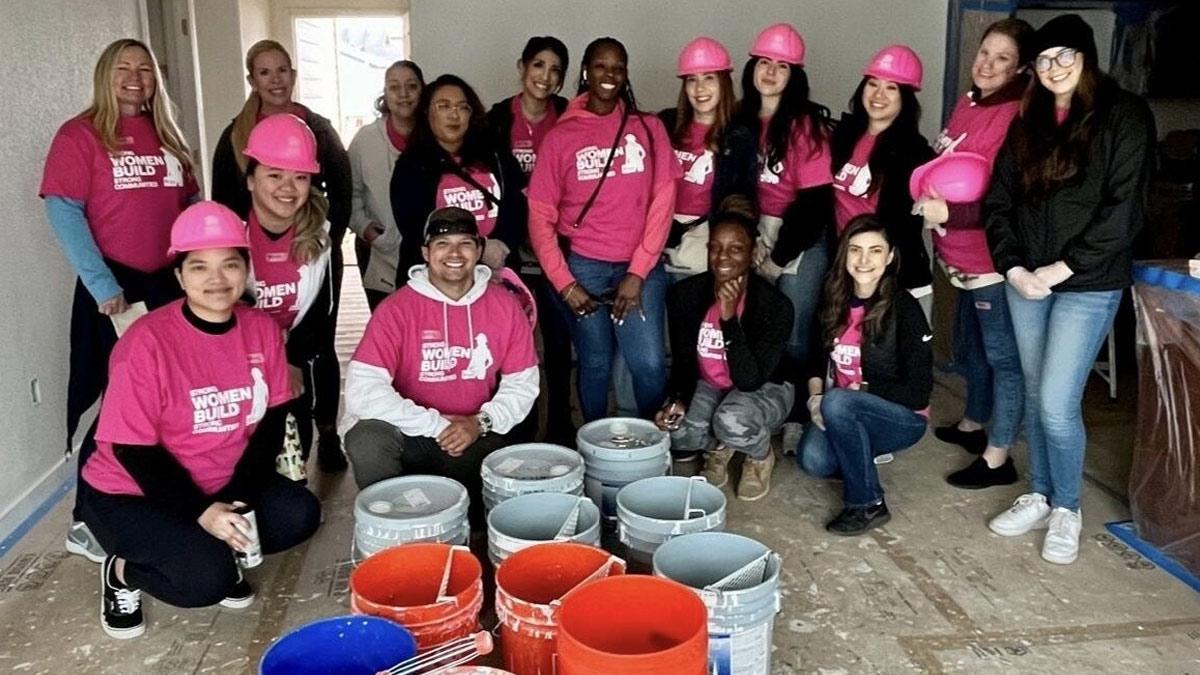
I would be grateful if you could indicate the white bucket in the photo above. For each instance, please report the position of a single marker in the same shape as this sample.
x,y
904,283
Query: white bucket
x,y
619,451
523,521
652,511
407,509
529,468
741,615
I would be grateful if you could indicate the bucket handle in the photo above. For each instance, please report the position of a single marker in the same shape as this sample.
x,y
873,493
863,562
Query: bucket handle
x,y
445,583
602,571
687,499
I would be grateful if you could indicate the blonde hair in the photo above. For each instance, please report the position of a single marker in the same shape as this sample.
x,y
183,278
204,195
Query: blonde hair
x,y
248,117
309,239
105,114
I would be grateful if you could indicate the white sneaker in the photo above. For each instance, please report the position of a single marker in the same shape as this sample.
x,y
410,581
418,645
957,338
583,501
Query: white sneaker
x,y
1061,545
1029,512
885,458
792,431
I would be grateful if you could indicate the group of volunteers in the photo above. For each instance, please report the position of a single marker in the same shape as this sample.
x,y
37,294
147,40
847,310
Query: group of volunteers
x,y
782,260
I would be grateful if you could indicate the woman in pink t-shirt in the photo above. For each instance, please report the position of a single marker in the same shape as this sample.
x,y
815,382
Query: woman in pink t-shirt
x,y
187,437
868,390
290,258
116,176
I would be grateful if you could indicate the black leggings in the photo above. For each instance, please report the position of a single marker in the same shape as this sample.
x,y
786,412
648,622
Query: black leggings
x,y
175,560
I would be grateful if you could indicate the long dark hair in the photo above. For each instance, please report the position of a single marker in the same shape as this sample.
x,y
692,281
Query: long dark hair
x,y
477,144
794,106
839,286
684,114
854,125
590,53
541,43
1050,153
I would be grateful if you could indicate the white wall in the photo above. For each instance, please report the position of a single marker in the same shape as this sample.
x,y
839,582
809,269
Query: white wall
x,y
222,74
481,41
47,82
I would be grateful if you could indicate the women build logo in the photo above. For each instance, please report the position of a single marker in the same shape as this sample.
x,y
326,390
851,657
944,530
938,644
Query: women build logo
x,y
590,161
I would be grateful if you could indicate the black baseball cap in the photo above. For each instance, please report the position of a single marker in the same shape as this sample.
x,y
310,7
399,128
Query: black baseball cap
x,y
450,220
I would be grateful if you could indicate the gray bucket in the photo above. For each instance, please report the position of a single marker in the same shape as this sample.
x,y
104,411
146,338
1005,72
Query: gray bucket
x,y
529,468
619,451
407,509
523,521
738,580
652,511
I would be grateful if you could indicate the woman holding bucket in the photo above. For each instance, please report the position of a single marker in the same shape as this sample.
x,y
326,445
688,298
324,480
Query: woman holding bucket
x,y
717,155
187,438
869,393
1067,199
795,192
289,251
728,326
600,203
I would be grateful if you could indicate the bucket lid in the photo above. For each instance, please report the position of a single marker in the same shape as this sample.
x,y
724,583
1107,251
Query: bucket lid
x,y
531,462
621,434
408,499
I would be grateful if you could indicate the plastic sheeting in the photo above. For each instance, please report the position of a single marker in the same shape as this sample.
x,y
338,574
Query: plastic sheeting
x,y
1164,482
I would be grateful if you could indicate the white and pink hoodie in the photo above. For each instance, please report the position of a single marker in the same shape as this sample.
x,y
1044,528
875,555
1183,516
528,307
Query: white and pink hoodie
x,y
424,356
631,217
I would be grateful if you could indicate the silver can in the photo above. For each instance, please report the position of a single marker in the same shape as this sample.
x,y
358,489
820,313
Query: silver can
x,y
252,556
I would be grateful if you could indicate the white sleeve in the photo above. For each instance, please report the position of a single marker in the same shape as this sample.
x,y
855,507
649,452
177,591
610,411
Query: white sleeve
x,y
369,395
513,400
358,207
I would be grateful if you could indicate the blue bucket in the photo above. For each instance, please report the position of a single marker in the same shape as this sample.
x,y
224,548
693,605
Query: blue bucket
x,y
342,645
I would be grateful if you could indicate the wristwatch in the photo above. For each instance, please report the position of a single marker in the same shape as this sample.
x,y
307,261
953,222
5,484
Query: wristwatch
x,y
485,423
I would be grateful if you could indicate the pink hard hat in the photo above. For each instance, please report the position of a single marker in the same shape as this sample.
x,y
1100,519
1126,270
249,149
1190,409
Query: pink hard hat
x,y
205,225
780,42
957,177
284,141
897,63
703,55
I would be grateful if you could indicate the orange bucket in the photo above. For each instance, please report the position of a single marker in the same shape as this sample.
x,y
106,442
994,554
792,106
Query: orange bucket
x,y
401,583
529,584
633,625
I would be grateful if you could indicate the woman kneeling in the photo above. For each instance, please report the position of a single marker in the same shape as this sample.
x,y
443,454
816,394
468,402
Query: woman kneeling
x,y
875,337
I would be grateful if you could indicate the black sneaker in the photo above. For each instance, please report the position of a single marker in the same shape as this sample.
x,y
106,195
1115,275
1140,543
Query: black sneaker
x,y
684,456
978,475
330,458
974,442
855,521
241,596
120,606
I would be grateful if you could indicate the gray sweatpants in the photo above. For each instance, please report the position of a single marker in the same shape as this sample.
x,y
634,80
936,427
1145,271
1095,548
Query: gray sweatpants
x,y
743,420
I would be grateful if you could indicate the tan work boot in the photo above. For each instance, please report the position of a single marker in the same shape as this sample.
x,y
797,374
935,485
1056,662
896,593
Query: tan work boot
x,y
716,466
756,478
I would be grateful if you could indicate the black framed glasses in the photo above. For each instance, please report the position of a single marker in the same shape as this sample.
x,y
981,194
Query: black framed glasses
x,y
1065,59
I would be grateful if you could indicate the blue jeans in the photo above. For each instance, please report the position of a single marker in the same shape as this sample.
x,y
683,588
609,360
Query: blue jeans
x,y
859,426
641,339
1058,338
985,352
804,290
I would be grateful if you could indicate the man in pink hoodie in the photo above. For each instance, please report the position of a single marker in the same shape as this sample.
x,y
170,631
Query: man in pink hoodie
x,y
445,370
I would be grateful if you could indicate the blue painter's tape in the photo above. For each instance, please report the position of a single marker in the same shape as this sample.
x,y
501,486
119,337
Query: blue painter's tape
x,y
1125,531
38,513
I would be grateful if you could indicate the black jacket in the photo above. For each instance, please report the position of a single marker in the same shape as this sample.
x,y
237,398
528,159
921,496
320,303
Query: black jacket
x,y
898,364
892,171
1090,221
500,119
414,196
735,170
229,183
754,343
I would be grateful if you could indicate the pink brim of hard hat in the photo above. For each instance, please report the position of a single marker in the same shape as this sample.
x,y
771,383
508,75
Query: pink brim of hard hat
x,y
954,192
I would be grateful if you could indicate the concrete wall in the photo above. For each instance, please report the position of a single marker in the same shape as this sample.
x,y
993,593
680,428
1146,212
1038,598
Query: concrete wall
x,y
222,74
481,40
48,81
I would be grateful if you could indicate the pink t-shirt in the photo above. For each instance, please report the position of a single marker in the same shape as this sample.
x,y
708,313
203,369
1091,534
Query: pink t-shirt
x,y
710,348
130,197
276,275
200,396
847,351
693,192
527,136
398,140
569,165
852,182
804,166
452,190
448,357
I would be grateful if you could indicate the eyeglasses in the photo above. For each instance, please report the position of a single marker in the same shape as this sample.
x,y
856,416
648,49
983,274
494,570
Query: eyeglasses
x,y
1065,59
444,107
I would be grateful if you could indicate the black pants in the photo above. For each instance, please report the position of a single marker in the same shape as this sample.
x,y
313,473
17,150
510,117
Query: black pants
x,y
326,370
556,361
175,560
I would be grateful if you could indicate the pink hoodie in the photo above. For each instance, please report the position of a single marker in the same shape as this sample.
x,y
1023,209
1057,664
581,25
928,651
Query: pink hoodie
x,y
631,216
